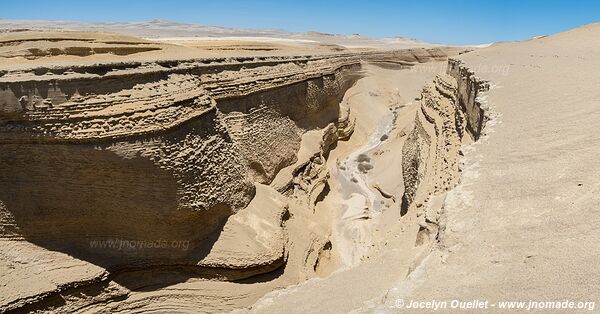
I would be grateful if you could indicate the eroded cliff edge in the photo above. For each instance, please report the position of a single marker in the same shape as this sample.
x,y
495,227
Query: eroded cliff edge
x,y
392,228
450,115
184,164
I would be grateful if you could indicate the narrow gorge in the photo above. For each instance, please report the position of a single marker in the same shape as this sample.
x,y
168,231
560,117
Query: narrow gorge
x,y
219,183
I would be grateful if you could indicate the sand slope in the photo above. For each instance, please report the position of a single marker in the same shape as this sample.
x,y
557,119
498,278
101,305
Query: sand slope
x,y
522,225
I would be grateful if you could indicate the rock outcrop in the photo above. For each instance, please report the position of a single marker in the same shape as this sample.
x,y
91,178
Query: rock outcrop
x,y
122,168
449,116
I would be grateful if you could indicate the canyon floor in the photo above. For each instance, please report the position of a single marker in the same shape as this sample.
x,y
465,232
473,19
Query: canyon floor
x,y
161,167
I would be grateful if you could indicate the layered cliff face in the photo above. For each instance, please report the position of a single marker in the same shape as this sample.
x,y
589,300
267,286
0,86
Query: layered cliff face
x,y
388,189
159,155
450,115
180,164
468,88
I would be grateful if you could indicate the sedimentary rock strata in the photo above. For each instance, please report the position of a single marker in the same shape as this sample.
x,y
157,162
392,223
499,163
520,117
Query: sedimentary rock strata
x,y
449,116
132,169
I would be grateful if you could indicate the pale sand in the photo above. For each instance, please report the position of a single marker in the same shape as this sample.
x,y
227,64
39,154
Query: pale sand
x,y
520,225
375,253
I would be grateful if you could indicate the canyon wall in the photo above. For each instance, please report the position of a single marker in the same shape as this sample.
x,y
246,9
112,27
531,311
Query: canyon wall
x,y
468,86
167,159
115,163
449,116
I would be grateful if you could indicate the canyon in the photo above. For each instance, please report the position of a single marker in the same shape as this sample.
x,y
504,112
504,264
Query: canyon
x,y
175,174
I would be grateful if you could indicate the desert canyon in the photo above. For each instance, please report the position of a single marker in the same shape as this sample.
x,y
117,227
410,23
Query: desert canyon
x,y
177,168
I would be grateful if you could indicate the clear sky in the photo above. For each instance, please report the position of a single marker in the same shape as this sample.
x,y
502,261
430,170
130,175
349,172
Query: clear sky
x,y
452,22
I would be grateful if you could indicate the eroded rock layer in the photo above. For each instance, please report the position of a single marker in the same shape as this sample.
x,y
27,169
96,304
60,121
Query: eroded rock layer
x,y
183,164
450,115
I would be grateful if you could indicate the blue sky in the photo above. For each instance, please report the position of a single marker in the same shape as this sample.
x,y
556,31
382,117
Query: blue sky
x,y
452,22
